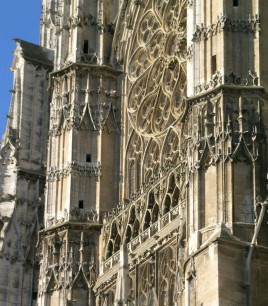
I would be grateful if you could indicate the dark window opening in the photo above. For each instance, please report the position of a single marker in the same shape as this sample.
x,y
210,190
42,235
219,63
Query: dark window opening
x,y
235,2
213,64
85,47
81,204
88,158
34,295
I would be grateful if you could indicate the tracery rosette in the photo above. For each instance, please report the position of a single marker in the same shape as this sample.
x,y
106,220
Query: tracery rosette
x,y
157,68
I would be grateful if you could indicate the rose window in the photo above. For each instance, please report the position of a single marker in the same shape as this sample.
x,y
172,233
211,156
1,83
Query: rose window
x,y
157,68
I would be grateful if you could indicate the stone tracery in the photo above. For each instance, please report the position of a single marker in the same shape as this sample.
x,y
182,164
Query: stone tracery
x,y
156,70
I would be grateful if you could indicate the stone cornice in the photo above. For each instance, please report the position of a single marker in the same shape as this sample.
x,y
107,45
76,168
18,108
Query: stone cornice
x,y
217,79
75,168
93,70
219,90
81,226
31,174
224,23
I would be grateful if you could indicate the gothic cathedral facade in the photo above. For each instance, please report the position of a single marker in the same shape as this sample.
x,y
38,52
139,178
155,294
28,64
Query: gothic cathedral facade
x,y
134,163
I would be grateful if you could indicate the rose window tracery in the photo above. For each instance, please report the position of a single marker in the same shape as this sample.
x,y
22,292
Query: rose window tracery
x,y
151,161
170,151
157,68
171,197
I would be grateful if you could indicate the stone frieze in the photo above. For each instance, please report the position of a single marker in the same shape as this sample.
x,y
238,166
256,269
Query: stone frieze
x,y
224,23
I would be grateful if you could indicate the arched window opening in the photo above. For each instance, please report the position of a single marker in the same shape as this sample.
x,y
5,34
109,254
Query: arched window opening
x,y
114,231
175,198
128,234
109,249
172,184
132,216
167,204
136,228
147,220
151,201
117,243
138,173
155,213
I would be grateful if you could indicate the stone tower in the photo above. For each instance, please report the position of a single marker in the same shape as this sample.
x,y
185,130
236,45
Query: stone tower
x,y
83,147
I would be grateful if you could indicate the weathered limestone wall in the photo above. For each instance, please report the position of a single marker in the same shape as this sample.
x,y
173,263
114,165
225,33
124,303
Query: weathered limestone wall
x,y
23,158
78,30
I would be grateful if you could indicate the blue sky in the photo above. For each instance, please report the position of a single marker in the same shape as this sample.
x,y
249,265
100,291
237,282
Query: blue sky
x,y
19,19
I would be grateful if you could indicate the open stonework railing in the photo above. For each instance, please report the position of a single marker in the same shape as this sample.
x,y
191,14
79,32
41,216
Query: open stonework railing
x,y
151,231
134,197
76,168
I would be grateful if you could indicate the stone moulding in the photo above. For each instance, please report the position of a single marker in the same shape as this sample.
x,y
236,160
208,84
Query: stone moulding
x,y
78,21
76,215
68,225
228,79
74,168
224,23
87,21
95,71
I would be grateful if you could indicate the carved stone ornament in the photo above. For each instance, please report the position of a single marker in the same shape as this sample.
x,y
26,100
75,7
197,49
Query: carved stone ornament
x,y
156,70
8,153
92,169
224,23
228,79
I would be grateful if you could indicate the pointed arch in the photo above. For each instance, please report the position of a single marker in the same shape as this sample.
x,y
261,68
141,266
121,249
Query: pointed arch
x,y
242,151
117,243
134,151
128,234
170,153
79,280
136,228
109,250
161,102
155,213
166,204
114,230
151,162
151,200
147,220
132,215
86,121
